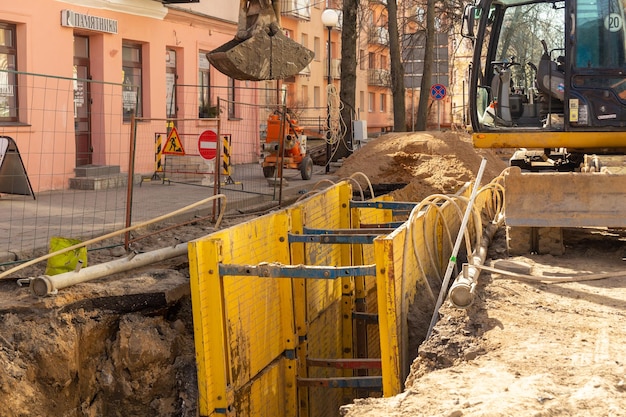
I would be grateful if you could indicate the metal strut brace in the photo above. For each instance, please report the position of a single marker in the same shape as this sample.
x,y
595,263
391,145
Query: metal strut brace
x,y
278,270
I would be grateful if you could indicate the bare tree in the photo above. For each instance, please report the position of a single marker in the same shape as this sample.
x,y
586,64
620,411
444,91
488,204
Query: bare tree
x,y
414,35
397,69
348,73
422,108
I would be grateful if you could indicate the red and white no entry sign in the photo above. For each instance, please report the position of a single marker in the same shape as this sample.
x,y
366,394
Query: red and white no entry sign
x,y
207,144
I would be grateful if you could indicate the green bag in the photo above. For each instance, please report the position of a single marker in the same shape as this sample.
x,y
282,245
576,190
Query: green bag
x,y
66,261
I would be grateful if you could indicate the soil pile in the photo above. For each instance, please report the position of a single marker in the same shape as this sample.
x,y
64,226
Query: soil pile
x,y
115,347
427,162
526,348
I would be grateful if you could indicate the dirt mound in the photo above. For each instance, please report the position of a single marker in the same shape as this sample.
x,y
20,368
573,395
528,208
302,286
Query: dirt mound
x,y
526,348
427,162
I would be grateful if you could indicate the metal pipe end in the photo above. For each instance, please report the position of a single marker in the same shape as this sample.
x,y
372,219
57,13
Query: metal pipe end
x,y
462,295
41,286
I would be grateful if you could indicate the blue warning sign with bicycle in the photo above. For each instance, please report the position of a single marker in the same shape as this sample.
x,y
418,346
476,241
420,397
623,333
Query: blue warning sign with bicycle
x,y
438,91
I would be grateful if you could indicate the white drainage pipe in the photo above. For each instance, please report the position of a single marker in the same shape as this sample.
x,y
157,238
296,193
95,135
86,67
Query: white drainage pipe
x,y
461,292
49,285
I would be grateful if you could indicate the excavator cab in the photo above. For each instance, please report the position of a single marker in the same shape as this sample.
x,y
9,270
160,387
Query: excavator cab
x,y
547,67
548,81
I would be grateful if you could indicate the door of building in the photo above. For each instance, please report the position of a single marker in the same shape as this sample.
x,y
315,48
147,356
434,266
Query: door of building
x,y
82,101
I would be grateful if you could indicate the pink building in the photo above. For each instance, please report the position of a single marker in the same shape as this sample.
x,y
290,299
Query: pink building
x,y
71,72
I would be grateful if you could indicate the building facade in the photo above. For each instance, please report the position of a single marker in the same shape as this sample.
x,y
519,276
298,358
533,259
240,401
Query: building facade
x,y
155,55
75,71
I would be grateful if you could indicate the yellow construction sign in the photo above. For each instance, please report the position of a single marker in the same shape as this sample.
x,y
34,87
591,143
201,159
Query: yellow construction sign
x,y
173,145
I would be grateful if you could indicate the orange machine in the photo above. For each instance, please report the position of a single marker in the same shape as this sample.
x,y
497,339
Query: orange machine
x,y
285,142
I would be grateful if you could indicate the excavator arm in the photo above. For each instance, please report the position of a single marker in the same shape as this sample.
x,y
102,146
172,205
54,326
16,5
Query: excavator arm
x,y
260,50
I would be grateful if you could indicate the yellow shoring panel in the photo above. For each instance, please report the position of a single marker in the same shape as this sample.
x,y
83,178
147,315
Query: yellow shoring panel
x,y
265,396
415,266
324,341
244,326
300,310
365,286
257,316
209,338
399,275
397,279
325,323
290,340
245,347
387,314
347,285
323,211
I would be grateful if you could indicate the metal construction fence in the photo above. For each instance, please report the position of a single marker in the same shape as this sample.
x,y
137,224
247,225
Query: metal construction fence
x,y
43,191
82,158
302,310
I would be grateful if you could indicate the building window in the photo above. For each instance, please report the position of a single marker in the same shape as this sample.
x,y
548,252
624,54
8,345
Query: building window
x,y
131,69
304,95
205,107
420,15
383,103
304,40
170,84
271,96
361,101
316,48
232,97
370,104
8,80
383,61
316,96
362,59
371,60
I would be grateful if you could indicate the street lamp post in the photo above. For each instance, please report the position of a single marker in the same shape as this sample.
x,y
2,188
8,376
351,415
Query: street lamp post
x,y
329,19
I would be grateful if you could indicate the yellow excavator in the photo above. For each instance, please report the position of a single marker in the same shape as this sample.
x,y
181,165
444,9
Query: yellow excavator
x,y
260,50
548,81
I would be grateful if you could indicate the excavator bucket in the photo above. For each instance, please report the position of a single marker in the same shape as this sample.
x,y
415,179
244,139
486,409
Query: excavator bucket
x,y
264,56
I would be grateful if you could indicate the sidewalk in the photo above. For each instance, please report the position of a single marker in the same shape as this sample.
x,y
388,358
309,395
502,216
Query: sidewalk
x,y
27,224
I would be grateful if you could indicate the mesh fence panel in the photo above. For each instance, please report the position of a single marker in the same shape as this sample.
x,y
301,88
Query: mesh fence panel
x,y
44,155
79,165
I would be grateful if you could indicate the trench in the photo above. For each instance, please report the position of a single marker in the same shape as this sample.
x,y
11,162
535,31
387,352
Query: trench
x,y
102,352
103,355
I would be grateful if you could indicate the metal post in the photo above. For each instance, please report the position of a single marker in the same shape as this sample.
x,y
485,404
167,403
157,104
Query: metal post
x,y
131,175
329,148
464,115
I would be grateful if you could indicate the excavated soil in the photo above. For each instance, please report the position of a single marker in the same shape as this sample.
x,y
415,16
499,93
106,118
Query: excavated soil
x,y
123,346
526,348
116,346
423,163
